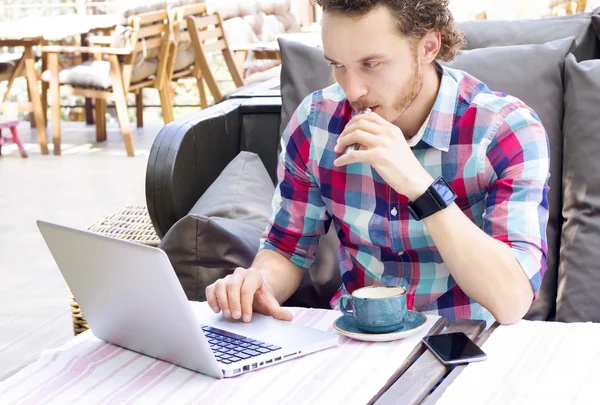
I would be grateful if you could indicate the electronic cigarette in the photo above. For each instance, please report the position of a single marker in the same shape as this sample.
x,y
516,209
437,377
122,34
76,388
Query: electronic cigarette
x,y
356,146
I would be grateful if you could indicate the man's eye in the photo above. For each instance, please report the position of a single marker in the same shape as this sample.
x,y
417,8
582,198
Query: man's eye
x,y
371,64
336,65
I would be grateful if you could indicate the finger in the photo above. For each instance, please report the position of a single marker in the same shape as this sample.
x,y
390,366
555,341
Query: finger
x,y
221,293
211,298
354,156
278,312
371,117
252,284
233,294
359,137
364,124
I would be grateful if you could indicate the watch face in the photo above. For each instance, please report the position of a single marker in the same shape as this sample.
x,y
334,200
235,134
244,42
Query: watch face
x,y
444,191
438,196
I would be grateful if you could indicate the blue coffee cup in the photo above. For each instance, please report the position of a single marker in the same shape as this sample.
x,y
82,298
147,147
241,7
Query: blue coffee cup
x,y
376,309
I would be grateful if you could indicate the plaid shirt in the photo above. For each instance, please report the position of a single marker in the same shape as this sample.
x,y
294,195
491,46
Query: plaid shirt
x,y
490,147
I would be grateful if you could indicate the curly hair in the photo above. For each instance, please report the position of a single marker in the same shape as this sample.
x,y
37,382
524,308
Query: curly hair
x,y
414,18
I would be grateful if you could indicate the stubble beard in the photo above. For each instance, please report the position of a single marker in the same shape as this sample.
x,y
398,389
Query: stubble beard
x,y
410,91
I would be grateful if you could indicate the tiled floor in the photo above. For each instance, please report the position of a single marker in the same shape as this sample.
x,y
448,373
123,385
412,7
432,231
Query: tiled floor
x,y
86,183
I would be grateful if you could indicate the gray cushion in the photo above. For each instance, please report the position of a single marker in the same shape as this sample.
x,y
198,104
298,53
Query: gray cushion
x,y
596,22
489,33
96,74
579,272
8,63
222,231
532,73
303,70
185,56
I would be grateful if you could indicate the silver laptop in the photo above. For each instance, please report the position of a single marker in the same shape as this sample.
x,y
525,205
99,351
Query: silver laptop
x,y
131,297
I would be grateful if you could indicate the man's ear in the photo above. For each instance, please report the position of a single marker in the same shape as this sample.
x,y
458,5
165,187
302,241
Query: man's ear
x,y
429,47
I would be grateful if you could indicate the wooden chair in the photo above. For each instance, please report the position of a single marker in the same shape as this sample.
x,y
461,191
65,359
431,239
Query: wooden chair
x,y
182,57
568,7
137,61
204,34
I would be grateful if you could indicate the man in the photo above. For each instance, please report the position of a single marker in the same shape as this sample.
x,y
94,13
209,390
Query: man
x,y
446,195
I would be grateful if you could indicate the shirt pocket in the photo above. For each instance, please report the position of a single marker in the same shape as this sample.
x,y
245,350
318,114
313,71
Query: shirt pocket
x,y
417,236
361,225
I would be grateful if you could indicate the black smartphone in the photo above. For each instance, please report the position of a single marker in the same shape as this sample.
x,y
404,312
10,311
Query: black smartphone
x,y
454,348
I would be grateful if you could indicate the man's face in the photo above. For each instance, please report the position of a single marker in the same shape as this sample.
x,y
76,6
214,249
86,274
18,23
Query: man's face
x,y
373,63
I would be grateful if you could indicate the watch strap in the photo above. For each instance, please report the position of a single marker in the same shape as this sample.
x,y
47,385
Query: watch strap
x,y
437,197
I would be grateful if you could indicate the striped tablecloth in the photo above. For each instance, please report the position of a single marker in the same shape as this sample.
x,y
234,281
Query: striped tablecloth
x,y
87,370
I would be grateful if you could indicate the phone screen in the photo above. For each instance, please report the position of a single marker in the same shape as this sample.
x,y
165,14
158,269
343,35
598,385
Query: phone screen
x,y
454,348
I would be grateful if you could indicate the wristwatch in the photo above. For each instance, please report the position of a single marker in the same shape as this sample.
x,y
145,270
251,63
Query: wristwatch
x,y
437,197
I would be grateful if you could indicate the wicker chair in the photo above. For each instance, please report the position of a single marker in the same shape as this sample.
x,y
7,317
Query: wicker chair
x,y
130,223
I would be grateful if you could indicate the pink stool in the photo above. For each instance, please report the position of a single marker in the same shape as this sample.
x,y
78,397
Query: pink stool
x,y
12,125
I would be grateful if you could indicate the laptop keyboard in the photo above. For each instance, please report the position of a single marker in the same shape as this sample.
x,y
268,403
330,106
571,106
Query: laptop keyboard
x,y
230,348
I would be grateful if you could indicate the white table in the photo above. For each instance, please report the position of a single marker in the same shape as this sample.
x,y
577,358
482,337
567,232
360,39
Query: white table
x,y
90,371
533,363
54,28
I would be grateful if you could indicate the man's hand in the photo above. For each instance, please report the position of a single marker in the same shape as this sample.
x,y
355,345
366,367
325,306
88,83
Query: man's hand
x,y
384,147
238,294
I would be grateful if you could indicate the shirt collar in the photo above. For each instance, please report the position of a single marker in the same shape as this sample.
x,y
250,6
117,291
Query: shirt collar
x,y
415,139
437,129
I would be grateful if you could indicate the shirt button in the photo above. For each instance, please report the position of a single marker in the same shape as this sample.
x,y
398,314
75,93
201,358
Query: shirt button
x,y
394,211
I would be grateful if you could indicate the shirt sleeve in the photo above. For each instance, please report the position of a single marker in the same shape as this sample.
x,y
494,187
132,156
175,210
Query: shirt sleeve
x,y
299,215
517,169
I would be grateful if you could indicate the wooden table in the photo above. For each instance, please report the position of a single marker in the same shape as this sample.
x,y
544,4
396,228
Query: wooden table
x,y
34,31
422,371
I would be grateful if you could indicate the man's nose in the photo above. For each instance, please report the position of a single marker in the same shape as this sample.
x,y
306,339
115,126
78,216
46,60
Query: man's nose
x,y
356,89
